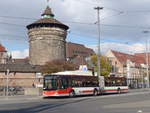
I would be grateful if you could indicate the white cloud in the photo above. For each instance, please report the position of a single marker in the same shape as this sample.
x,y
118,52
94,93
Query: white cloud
x,y
127,48
20,54
81,11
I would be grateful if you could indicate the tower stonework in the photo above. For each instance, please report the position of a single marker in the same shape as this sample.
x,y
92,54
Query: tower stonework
x,y
47,39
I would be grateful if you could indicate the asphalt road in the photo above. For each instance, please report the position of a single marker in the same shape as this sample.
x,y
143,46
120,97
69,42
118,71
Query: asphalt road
x,y
126,103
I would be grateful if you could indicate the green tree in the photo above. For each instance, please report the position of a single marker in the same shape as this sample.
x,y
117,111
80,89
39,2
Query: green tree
x,y
104,63
57,66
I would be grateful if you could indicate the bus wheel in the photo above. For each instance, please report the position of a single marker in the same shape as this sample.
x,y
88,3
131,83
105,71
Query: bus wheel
x,y
72,94
95,92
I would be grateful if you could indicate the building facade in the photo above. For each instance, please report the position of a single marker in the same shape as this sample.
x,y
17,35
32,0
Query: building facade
x,y
3,54
21,75
47,39
131,66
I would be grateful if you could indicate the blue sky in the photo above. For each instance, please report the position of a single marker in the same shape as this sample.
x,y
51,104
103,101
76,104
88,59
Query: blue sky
x,y
122,23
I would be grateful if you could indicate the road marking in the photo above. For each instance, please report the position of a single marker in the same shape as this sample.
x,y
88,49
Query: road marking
x,y
140,111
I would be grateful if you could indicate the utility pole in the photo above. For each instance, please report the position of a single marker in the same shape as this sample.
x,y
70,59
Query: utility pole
x,y
7,81
147,63
48,2
99,51
147,59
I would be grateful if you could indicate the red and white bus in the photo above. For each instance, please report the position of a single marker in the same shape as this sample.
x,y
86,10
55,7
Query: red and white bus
x,y
72,85
115,85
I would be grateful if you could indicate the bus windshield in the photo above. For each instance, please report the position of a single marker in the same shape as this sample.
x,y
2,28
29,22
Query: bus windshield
x,y
51,84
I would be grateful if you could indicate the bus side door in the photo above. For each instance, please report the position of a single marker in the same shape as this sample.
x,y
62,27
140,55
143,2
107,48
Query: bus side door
x,y
63,88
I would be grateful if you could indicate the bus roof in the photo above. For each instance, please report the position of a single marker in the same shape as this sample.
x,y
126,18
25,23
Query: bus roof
x,y
51,76
77,73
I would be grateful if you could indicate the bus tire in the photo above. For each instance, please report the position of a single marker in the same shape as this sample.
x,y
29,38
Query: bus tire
x,y
95,93
72,94
119,90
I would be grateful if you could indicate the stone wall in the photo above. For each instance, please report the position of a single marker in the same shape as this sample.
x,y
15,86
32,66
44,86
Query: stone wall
x,y
23,80
46,44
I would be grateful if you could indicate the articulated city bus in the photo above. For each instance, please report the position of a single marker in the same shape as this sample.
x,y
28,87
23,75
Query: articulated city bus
x,y
72,85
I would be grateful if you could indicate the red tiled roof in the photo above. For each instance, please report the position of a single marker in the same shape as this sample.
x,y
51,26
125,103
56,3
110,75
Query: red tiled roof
x,y
2,48
74,49
123,57
143,55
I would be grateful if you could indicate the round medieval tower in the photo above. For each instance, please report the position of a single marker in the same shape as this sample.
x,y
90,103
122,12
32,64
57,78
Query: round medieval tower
x,y
47,39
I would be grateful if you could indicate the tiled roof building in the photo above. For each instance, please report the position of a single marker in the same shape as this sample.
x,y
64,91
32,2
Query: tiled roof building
x,y
3,54
143,55
2,48
21,73
78,53
131,66
119,61
123,57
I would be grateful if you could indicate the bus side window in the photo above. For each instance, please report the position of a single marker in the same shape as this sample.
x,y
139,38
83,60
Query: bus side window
x,y
84,83
73,83
114,83
77,83
64,84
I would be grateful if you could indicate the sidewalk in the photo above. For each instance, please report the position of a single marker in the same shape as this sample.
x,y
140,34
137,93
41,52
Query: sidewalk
x,y
139,90
19,98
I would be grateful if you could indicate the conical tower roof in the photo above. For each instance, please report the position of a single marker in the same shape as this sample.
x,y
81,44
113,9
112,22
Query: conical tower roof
x,y
48,12
47,20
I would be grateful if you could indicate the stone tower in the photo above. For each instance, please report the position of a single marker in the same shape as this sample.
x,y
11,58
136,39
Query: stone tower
x,y
47,39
